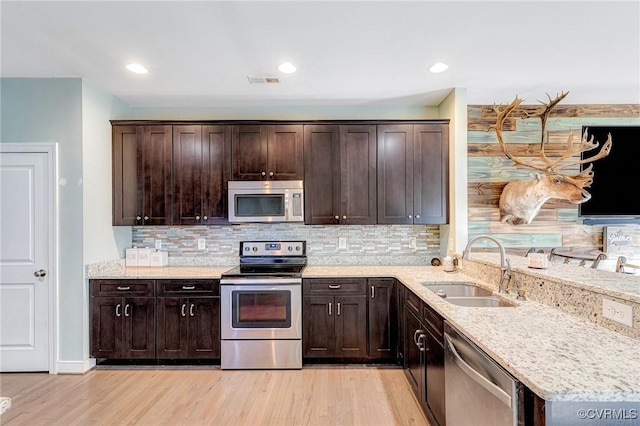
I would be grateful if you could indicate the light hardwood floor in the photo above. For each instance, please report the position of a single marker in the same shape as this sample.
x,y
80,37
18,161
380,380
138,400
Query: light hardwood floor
x,y
317,395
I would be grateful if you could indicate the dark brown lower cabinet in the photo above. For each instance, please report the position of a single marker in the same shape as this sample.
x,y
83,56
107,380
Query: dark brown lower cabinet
x,y
155,319
123,328
335,326
382,318
334,318
188,328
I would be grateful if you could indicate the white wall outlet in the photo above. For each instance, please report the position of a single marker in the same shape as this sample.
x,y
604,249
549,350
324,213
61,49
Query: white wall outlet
x,y
202,244
617,311
412,242
158,244
342,242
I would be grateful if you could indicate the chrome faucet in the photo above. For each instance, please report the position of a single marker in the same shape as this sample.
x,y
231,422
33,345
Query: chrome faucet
x,y
505,265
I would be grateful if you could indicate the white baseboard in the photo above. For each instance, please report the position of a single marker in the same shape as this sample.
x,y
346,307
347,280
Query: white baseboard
x,y
76,367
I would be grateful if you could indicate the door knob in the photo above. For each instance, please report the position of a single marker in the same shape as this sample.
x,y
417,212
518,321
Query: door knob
x,y
40,273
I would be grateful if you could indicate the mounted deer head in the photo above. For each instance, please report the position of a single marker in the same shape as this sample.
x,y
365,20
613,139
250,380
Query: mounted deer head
x,y
521,201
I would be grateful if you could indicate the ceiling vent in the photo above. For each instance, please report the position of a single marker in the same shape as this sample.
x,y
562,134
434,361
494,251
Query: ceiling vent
x,y
263,80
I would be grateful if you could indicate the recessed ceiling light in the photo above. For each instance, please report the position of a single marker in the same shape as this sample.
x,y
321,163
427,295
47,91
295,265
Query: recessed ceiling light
x,y
438,67
287,68
137,68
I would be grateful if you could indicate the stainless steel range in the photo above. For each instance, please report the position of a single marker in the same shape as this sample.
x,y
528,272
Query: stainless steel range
x,y
261,307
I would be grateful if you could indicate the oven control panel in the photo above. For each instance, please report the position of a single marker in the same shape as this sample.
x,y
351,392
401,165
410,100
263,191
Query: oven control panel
x,y
272,248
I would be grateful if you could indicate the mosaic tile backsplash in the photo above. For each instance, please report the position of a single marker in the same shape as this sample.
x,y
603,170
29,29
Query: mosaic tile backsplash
x,y
365,244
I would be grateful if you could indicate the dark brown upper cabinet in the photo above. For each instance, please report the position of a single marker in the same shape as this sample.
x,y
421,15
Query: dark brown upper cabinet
x,y
201,167
413,172
263,152
142,192
340,174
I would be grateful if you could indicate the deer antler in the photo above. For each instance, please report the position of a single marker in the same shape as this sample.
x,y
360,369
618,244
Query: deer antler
x,y
585,145
550,166
502,115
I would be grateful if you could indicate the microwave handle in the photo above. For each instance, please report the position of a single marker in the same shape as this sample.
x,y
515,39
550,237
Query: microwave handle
x,y
286,206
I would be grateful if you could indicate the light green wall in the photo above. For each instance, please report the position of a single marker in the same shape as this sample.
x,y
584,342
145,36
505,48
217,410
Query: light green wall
x,y
76,117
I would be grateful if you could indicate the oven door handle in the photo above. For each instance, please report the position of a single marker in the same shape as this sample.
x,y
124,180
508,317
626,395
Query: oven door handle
x,y
260,281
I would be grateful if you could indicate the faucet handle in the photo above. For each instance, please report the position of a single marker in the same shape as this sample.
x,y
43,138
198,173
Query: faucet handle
x,y
520,295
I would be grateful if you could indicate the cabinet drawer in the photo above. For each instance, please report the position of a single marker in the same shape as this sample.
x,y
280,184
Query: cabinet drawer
x,y
413,302
186,287
132,287
434,322
334,285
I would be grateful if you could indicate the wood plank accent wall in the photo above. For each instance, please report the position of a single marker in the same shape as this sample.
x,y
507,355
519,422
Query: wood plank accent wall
x,y
489,170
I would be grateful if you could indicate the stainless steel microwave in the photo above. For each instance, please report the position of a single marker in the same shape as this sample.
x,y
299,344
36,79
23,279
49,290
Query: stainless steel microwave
x,y
266,201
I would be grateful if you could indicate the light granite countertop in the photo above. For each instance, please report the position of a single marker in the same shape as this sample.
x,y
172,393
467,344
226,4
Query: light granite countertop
x,y
558,356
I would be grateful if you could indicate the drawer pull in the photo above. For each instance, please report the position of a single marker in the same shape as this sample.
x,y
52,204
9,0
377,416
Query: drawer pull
x,y
121,288
334,286
188,287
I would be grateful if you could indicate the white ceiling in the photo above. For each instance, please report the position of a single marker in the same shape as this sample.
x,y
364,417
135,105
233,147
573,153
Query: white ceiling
x,y
199,54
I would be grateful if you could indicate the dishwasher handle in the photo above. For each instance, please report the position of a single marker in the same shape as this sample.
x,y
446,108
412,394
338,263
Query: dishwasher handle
x,y
504,397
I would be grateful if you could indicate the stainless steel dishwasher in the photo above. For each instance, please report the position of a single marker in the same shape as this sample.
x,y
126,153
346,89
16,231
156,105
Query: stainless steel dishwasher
x,y
477,390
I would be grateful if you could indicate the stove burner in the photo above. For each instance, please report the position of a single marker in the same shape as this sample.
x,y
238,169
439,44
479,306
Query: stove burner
x,y
270,259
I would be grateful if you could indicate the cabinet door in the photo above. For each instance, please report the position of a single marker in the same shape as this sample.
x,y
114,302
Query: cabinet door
x,y
188,170
414,359
435,378
395,174
127,184
139,328
431,173
204,327
351,326
357,175
382,318
216,169
157,206
321,174
172,328
284,152
201,166
249,152
106,327
318,336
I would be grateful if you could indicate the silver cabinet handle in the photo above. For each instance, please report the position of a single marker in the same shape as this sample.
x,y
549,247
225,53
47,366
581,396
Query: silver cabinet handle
x,y
197,217
138,217
334,286
336,217
126,310
338,308
270,173
118,306
191,308
373,292
182,310
344,217
123,288
410,216
421,344
417,216
205,218
40,273
146,218
263,173
418,338
330,308
188,287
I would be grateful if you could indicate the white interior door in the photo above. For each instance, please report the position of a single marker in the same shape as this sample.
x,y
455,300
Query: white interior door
x,y
25,212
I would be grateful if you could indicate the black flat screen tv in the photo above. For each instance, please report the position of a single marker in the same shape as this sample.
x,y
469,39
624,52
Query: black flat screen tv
x,y
615,190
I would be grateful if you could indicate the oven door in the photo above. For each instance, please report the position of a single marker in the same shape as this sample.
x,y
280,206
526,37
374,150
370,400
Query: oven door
x,y
269,309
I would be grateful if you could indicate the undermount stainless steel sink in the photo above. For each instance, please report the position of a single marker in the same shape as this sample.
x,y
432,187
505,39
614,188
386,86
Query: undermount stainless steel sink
x,y
469,295
480,302
458,290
